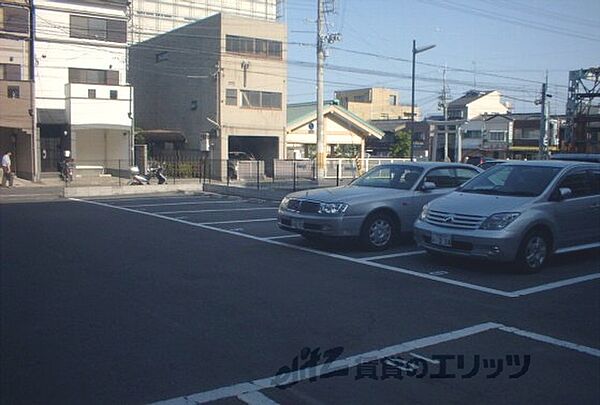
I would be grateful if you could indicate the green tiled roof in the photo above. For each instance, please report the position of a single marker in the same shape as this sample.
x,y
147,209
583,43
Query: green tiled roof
x,y
304,111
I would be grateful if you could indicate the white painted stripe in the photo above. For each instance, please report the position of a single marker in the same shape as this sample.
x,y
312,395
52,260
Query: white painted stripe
x,y
315,251
576,248
317,371
185,203
558,284
557,342
508,294
256,398
427,359
238,221
201,211
294,235
416,252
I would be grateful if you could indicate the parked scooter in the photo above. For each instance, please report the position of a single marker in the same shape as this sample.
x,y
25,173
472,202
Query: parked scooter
x,y
66,167
138,179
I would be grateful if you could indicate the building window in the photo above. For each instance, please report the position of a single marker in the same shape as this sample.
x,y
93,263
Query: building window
x,y
14,19
472,134
194,105
392,100
93,76
231,97
13,92
100,29
114,95
91,93
253,46
261,99
161,57
9,71
497,136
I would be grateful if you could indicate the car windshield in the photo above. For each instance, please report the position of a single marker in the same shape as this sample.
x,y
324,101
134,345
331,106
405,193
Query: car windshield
x,y
392,176
513,180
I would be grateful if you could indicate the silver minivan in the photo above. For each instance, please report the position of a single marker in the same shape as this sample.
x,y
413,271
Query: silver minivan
x,y
517,211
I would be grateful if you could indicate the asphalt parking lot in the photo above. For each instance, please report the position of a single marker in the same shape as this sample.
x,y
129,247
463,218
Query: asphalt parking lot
x,y
190,299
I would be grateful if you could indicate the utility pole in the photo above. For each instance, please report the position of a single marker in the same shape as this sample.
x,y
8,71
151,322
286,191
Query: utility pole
x,y
324,6
320,74
543,140
444,105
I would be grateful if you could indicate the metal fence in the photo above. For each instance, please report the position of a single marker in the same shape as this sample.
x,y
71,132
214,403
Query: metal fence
x,y
278,174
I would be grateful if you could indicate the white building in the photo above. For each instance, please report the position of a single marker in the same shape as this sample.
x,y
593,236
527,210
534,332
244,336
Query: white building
x,y
154,17
82,99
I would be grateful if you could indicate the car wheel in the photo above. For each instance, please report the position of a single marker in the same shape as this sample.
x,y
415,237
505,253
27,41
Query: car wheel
x,y
378,232
534,251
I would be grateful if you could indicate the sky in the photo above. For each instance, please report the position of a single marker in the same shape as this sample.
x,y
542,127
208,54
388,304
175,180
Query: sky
x,y
504,45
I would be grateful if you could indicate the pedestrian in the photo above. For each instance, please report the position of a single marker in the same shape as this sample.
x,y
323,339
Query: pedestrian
x,y
7,174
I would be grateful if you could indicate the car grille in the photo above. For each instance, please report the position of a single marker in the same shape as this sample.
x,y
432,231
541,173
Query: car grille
x,y
450,220
303,206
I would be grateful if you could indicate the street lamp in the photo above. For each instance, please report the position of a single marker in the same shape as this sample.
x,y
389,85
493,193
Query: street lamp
x,y
415,51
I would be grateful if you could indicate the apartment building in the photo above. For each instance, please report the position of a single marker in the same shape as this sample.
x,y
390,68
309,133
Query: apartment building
x,y
154,17
225,76
16,87
375,103
486,135
469,106
83,102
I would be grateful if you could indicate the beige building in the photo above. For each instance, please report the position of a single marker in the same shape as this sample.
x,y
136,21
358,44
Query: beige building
x,y
224,76
474,103
16,88
376,103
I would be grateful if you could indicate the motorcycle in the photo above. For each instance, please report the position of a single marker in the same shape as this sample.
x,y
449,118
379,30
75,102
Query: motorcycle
x,y
138,179
66,169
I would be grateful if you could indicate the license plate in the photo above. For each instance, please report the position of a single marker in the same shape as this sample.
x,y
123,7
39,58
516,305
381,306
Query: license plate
x,y
297,223
441,239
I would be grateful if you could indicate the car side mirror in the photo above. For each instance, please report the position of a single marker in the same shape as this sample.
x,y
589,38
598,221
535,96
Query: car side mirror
x,y
427,186
564,193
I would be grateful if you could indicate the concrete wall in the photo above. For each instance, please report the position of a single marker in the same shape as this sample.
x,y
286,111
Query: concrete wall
x,y
101,110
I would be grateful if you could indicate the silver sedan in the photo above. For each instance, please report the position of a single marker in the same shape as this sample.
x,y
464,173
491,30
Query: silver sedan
x,y
375,207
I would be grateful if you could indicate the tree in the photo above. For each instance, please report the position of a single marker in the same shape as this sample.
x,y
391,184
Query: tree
x,y
401,146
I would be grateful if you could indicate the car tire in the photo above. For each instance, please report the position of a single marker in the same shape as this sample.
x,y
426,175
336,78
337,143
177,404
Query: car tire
x,y
534,251
378,231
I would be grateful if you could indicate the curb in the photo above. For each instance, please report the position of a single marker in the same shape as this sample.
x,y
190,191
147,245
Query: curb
x,y
101,191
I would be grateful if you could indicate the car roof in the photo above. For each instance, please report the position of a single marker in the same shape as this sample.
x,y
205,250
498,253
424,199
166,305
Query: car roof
x,y
550,163
426,165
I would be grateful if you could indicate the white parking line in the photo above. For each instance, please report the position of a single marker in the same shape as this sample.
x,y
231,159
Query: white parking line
x,y
256,398
557,284
239,221
201,211
350,362
416,252
475,287
184,203
294,235
548,339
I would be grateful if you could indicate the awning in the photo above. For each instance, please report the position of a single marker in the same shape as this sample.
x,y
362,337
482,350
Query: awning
x,y
163,135
50,116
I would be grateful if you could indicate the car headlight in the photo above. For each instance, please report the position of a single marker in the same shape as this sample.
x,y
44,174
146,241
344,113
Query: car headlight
x,y
424,212
499,221
333,208
284,203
